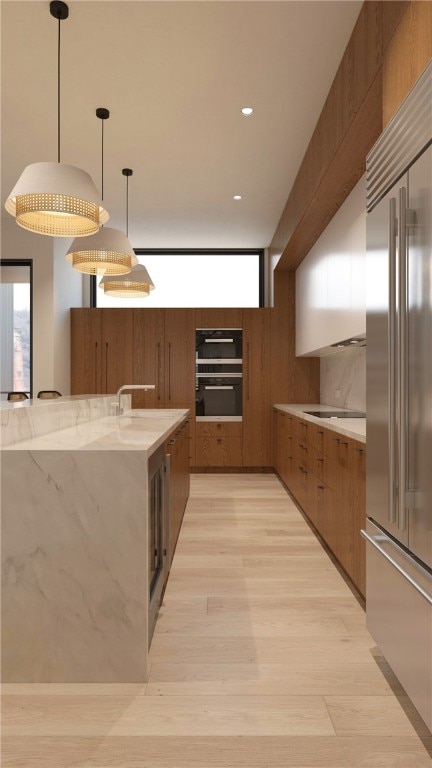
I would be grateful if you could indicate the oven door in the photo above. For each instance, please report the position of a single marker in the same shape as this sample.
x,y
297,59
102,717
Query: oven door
x,y
221,345
219,398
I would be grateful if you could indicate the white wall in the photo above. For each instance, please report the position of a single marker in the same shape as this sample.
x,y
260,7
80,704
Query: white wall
x,y
56,287
330,282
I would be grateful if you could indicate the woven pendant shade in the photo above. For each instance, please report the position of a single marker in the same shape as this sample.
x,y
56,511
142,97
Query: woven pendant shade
x,y
56,199
108,252
134,285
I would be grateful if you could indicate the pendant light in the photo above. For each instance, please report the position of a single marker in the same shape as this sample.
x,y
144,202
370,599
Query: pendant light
x,y
53,198
108,252
137,284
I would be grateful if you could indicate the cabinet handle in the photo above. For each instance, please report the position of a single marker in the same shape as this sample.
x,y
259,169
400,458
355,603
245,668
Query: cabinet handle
x,y
247,370
172,442
360,450
336,439
320,432
169,370
321,487
219,439
321,460
106,367
343,443
158,369
96,366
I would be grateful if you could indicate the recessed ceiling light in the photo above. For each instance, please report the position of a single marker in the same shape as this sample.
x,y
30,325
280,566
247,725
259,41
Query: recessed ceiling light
x,y
247,111
237,197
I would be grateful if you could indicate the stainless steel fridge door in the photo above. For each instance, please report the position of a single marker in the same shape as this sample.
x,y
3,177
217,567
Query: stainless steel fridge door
x,y
419,358
399,607
382,389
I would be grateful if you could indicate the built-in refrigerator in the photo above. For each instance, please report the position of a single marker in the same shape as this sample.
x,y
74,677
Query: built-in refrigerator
x,y
399,395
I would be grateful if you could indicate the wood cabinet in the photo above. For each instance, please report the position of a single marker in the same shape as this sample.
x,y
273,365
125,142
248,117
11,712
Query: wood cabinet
x,y
219,444
325,472
86,354
177,447
256,388
102,348
148,358
179,357
219,318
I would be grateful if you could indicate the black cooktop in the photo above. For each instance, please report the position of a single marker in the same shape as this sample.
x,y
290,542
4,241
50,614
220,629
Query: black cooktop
x,y
337,414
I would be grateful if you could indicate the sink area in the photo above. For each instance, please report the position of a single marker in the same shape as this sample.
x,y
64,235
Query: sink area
x,y
337,414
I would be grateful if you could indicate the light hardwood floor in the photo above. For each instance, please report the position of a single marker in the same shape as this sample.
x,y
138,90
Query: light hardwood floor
x,y
260,659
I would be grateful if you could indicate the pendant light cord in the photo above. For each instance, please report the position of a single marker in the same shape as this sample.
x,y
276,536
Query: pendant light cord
x,y
127,206
102,160
58,93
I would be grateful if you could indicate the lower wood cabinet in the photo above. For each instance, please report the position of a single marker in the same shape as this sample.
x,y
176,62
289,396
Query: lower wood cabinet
x,y
325,472
218,444
177,447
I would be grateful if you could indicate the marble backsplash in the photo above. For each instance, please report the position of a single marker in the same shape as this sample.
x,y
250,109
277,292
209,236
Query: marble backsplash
x,y
343,379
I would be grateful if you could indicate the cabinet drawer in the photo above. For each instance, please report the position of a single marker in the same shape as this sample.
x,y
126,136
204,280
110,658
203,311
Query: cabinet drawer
x,y
219,451
219,428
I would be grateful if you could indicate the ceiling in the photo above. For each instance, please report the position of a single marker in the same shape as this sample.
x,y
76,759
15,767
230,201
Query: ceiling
x,y
174,76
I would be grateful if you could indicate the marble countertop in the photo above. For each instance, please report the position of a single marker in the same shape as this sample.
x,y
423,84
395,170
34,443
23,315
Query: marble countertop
x,y
353,428
141,430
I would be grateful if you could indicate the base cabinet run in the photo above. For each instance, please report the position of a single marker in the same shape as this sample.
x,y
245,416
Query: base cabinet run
x,y
177,448
325,472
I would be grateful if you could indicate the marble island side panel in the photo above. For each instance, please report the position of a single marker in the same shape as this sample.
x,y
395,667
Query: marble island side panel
x,y
75,570
75,547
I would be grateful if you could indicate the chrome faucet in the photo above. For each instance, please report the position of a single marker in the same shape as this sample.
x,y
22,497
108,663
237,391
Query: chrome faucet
x,y
131,386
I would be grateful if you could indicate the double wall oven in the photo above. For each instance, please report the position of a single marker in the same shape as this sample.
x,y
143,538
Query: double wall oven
x,y
219,374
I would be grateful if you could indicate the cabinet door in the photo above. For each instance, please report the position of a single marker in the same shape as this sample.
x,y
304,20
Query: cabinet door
x,y
180,357
218,318
357,470
148,358
86,346
256,388
117,349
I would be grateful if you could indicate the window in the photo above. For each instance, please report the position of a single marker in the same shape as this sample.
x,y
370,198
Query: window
x,y
207,278
15,327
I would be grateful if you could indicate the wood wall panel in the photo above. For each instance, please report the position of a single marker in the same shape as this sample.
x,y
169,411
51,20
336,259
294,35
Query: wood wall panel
x,y
342,175
390,46
357,74
408,53
293,380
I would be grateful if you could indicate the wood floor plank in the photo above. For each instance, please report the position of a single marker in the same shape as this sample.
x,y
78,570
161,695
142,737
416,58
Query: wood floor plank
x,y
377,715
178,648
214,752
321,678
319,605
168,715
242,625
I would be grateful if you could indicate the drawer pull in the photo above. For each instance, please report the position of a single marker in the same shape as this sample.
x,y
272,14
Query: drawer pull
x,y
219,439
321,487
321,460
172,442
360,450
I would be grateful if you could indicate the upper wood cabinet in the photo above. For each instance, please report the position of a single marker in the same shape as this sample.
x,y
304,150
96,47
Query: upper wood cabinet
x,y
117,349
86,351
148,362
218,318
256,387
101,350
179,357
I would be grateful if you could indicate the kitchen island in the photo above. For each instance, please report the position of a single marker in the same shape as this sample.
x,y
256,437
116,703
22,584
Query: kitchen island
x,y
75,592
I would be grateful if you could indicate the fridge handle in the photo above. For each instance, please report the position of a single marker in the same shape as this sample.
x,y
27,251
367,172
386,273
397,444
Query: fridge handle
x,y
396,565
403,353
392,358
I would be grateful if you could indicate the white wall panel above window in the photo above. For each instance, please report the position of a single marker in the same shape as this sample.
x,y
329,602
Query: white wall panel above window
x,y
330,282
